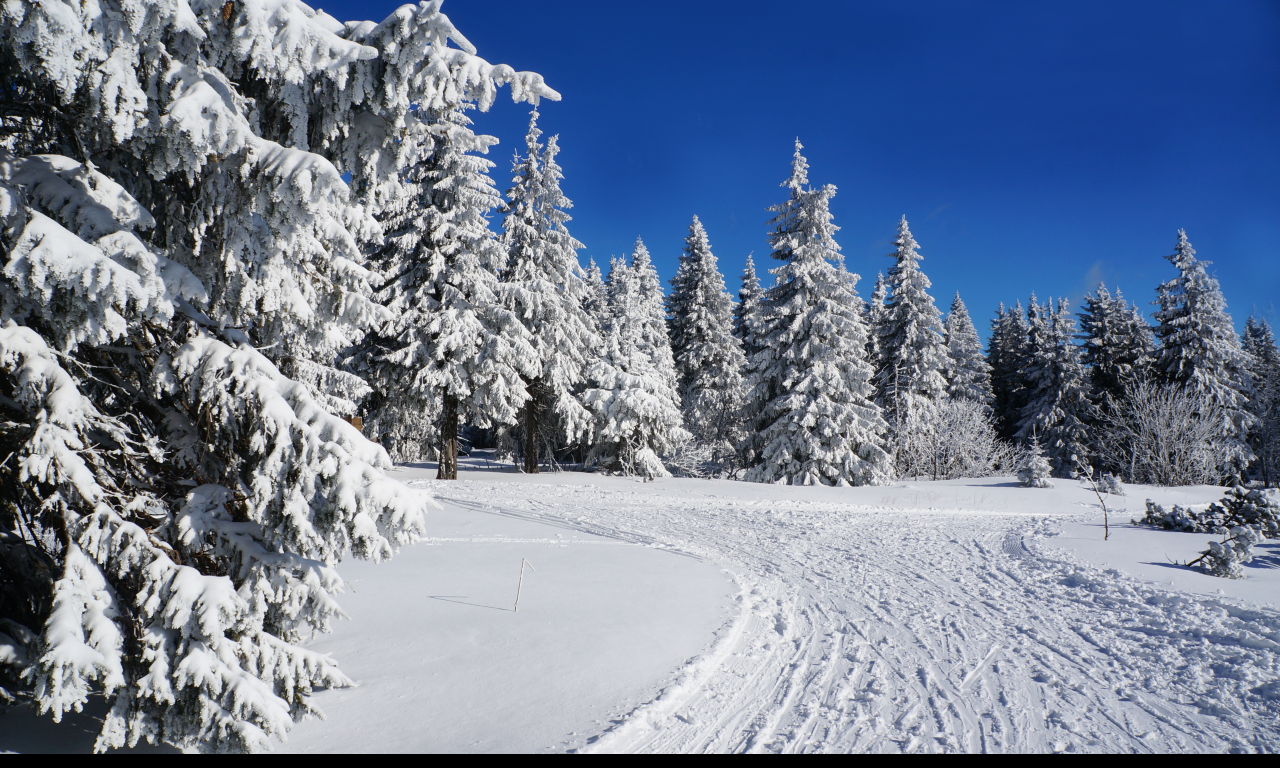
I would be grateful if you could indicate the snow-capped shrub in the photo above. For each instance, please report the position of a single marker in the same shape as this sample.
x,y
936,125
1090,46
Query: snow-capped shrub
x,y
1109,483
1033,468
1179,518
1255,508
1228,557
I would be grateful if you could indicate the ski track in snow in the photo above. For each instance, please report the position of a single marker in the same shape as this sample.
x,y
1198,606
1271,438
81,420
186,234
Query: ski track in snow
x,y
864,629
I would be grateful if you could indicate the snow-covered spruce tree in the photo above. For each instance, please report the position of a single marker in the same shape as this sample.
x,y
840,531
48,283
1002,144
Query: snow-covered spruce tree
x,y
968,374
1058,410
1032,468
1264,367
632,389
547,292
1118,349
597,302
913,356
1199,349
171,201
450,347
743,311
812,418
874,314
1118,345
1007,356
650,308
708,358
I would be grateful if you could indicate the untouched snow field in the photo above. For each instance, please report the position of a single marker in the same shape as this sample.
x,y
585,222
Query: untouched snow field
x,y
692,615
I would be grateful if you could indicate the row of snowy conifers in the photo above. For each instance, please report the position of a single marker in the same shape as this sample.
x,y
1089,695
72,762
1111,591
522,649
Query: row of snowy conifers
x,y
803,382
800,383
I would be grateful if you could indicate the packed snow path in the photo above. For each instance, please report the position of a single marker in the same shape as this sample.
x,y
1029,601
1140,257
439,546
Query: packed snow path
x,y
873,628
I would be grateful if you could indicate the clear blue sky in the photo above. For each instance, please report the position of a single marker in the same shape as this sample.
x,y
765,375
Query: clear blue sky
x,y
1033,146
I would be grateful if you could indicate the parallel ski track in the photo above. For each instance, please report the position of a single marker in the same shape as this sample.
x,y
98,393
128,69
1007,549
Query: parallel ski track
x,y
861,629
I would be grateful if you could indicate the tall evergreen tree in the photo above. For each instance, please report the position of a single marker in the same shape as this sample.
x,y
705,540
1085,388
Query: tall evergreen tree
x,y
650,307
1007,356
1259,344
968,374
450,346
874,314
812,416
632,390
597,303
1200,350
179,239
1058,410
547,291
708,358
912,353
748,299
1118,345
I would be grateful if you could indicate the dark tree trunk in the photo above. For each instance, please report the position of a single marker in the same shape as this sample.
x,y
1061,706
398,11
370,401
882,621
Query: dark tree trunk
x,y
531,430
448,467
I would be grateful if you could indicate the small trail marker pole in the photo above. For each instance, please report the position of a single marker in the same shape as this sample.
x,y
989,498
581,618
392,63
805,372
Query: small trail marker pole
x,y
520,586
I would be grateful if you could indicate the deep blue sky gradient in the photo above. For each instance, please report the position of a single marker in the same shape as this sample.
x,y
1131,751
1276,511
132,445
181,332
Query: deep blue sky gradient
x,y
1032,146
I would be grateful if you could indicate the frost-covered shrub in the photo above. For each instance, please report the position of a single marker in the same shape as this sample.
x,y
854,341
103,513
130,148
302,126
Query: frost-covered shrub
x,y
1165,435
1244,517
1228,557
180,261
1033,468
694,458
950,439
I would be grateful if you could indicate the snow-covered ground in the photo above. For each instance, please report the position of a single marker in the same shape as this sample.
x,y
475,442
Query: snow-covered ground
x,y
693,615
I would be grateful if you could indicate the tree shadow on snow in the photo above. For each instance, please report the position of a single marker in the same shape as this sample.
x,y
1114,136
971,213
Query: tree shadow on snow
x,y
456,599
1265,555
1175,566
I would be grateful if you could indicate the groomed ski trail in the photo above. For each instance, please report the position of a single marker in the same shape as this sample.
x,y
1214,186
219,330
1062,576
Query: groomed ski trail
x,y
865,629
